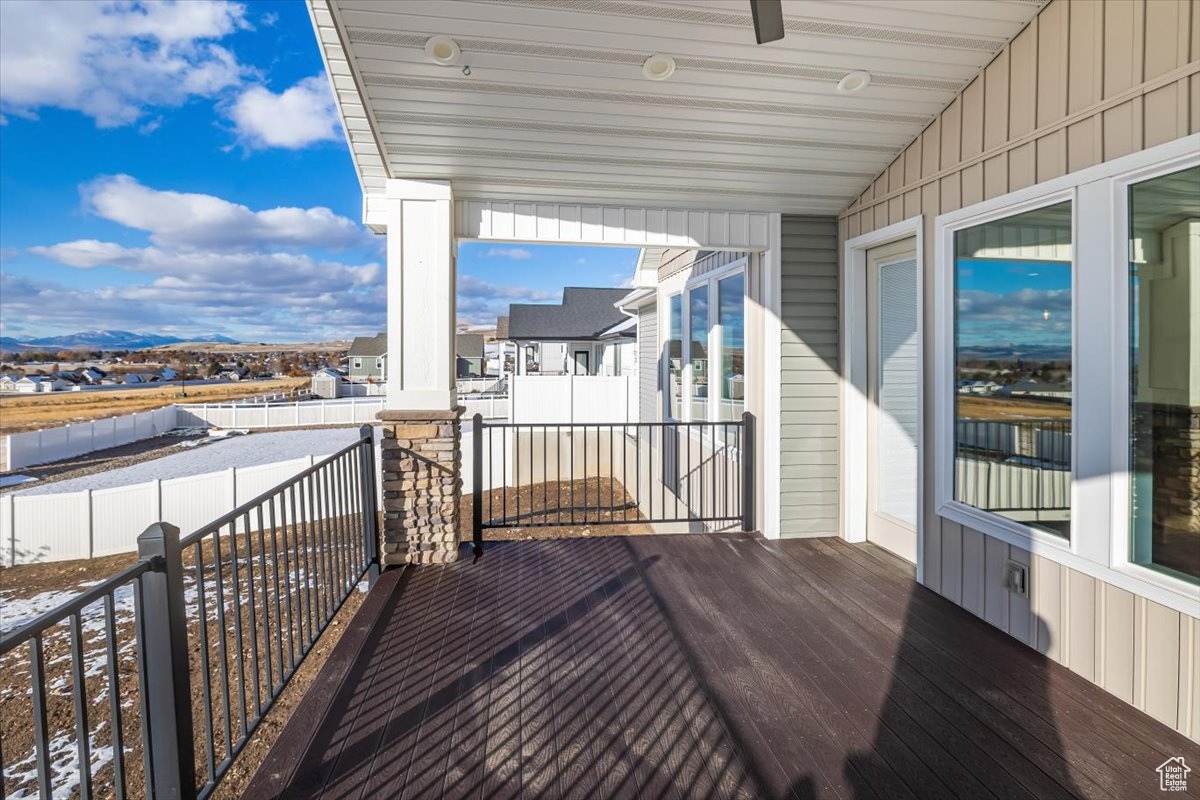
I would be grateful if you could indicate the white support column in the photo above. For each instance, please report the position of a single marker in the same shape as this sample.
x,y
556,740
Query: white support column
x,y
420,295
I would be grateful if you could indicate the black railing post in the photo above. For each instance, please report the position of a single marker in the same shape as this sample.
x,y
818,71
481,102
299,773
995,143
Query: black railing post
x,y
370,503
747,456
168,681
477,485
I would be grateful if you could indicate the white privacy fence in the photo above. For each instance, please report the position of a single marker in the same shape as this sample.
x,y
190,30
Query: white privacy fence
x,y
281,415
101,522
19,450
55,444
573,398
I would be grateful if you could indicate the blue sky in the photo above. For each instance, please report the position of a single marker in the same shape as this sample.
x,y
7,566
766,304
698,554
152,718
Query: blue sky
x,y
1002,302
179,168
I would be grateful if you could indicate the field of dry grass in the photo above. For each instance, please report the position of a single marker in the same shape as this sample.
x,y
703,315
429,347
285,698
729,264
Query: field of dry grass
x,y
1001,408
26,412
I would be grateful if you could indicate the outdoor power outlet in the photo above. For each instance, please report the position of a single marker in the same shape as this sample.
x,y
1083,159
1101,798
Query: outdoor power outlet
x,y
1016,578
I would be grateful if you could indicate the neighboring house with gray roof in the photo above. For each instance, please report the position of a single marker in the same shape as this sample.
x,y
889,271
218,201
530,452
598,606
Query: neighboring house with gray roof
x,y
367,358
583,335
468,355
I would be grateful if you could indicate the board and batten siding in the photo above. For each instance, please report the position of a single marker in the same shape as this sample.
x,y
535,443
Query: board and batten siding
x,y
1084,83
649,406
809,377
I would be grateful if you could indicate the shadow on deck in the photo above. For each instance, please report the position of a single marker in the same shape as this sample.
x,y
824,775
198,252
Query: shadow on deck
x,y
697,666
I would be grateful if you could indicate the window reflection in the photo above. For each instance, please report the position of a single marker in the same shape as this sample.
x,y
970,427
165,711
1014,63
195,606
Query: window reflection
x,y
698,352
731,318
1164,379
1013,367
675,357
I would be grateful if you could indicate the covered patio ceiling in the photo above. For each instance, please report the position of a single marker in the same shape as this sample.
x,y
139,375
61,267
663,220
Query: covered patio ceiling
x,y
553,104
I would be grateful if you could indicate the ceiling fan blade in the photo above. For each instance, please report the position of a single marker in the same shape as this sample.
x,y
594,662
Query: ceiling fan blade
x,y
768,20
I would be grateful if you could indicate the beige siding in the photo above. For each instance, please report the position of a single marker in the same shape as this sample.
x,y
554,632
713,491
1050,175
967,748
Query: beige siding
x,y
1084,82
809,447
648,367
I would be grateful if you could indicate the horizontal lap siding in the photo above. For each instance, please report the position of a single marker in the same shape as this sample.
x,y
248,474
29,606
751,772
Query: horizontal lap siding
x,y
647,343
809,377
1085,82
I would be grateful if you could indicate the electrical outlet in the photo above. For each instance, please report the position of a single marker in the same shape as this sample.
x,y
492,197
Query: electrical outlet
x,y
1016,578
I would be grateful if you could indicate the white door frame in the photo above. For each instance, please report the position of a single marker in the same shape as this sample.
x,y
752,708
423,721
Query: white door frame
x,y
855,406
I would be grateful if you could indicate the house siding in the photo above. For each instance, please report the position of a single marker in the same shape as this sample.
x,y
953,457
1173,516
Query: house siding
x,y
698,261
1084,83
647,377
809,377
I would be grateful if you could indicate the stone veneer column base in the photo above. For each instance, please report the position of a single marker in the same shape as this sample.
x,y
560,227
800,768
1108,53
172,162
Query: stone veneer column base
x,y
422,485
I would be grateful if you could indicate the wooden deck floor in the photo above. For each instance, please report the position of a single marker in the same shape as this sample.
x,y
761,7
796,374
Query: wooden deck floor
x,y
697,666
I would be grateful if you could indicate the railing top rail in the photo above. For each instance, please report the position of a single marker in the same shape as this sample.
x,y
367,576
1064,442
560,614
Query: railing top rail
x,y
695,424
253,503
77,603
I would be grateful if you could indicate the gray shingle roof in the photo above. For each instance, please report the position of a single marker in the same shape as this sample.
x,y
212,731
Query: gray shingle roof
x,y
367,346
584,314
469,345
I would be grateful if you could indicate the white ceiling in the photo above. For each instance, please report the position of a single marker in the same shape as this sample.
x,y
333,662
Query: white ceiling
x,y
556,108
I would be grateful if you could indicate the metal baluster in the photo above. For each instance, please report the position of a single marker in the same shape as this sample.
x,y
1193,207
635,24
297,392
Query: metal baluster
x,y
253,613
114,697
266,609
139,618
79,694
237,629
221,648
205,674
41,734
279,614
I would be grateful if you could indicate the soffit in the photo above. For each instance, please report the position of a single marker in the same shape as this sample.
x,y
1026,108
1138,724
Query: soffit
x,y
556,108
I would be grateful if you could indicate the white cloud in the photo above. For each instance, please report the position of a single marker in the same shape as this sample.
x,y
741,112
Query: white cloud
x,y
514,253
203,221
299,116
480,301
113,60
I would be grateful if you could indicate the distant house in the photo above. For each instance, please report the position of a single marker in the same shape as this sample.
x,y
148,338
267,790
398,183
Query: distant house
x,y
584,335
40,383
168,374
235,374
1032,388
8,383
367,358
468,355
93,375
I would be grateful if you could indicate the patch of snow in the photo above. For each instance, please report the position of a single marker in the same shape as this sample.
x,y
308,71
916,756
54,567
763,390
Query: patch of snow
x,y
14,480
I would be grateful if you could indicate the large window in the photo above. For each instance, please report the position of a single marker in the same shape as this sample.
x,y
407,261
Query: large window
x,y
698,354
1164,372
675,357
709,315
1013,370
731,294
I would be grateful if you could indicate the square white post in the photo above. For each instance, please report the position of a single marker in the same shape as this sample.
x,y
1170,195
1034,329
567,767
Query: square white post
x,y
420,295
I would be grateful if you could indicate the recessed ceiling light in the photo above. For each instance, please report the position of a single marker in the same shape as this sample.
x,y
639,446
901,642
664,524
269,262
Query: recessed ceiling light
x,y
443,50
854,82
658,67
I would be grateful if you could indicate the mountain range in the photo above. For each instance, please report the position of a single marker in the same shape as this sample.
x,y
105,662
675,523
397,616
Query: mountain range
x,y
103,340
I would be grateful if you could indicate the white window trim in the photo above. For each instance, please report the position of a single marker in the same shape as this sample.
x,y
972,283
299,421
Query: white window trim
x,y
1099,544
682,286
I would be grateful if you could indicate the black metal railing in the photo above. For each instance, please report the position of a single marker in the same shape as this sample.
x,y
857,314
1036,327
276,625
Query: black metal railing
x,y
230,611
527,475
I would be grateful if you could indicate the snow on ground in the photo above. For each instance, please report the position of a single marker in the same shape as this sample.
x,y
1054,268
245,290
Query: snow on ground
x,y
251,450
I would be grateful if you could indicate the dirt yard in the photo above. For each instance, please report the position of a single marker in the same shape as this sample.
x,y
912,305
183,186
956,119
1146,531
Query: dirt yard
x,y
36,588
1015,408
26,412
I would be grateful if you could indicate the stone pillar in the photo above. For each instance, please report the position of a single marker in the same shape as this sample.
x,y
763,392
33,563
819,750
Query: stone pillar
x,y
422,486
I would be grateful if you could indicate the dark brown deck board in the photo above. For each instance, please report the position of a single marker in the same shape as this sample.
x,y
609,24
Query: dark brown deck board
x,y
697,666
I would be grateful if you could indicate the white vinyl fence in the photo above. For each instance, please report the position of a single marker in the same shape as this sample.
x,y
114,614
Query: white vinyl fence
x,y
281,415
55,444
101,522
573,398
